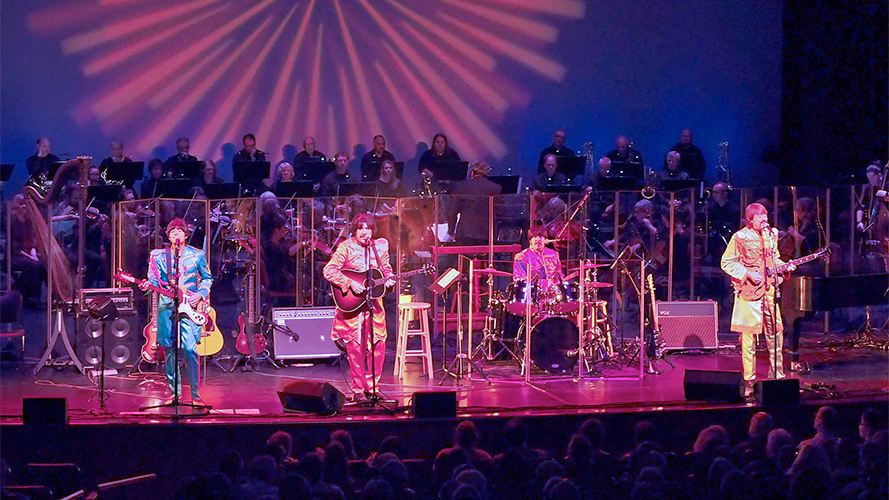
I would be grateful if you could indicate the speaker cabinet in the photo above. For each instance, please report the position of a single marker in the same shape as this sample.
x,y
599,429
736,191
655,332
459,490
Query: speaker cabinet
x,y
714,386
435,404
303,333
777,392
44,411
123,340
687,324
311,397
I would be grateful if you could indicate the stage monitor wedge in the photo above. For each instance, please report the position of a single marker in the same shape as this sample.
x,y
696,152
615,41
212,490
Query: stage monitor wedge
x,y
311,397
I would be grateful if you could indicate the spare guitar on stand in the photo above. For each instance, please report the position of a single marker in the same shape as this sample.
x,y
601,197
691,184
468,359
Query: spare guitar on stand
x,y
252,345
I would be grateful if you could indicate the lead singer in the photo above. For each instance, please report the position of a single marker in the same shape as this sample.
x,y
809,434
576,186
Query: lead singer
x,y
356,254
194,280
750,252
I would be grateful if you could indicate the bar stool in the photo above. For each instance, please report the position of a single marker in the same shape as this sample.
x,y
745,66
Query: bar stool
x,y
405,312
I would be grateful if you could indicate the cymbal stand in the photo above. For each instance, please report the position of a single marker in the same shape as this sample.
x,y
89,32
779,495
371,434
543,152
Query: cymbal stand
x,y
492,327
623,357
596,338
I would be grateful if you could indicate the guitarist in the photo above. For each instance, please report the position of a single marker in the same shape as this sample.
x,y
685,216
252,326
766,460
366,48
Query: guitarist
x,y
194,276
750,251
357,254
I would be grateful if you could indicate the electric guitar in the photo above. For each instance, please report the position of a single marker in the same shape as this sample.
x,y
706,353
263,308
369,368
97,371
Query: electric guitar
x,y
151,352
348,301
243,345
748,290
195,314
212,340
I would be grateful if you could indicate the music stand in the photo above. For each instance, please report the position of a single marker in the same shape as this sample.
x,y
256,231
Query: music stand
x,y
127,171
572,166
251,173
313,169
680,184
511,184
222,191
172,188
296,189
619,183
108,193
185,170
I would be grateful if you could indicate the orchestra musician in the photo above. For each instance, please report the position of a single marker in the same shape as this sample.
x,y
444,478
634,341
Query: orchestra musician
x,y
440,162
557,148
750,252
183,145
366,353
117,155
372,161
42,161
194,279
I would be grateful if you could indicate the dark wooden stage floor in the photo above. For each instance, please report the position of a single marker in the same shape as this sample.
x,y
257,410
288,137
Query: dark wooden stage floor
x,y
839,371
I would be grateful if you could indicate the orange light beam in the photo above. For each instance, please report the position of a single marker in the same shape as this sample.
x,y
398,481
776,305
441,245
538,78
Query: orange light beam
x,y
467,49
489,95
162,96
525,26
443,116
478,127
124,95
350,114
332,135
224,109
111,32
121,54
169,120
364,95
314,104
288,133
405,112
544,66
276,103
574,9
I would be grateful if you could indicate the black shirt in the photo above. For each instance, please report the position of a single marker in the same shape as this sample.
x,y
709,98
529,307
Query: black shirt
x,y
691,160
301,172
332,181
541,182
371,164
445,167
37,165
562,152
627,164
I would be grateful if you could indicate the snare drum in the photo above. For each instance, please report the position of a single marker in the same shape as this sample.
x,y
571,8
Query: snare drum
x,y
519,294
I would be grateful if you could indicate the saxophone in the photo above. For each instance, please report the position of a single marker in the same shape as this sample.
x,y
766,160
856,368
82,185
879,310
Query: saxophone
x,y
426,190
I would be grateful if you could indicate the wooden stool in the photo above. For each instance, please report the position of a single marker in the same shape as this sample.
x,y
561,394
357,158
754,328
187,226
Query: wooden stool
x,y
404,333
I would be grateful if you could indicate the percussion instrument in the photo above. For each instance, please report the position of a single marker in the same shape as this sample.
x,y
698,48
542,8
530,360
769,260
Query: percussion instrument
x,y
519,293
568,295
554,344
490,271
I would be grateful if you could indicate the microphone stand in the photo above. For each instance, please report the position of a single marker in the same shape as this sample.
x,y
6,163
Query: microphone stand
x,y
776,297
367,337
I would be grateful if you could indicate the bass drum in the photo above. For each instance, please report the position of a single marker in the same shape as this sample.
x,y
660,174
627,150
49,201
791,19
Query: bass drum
x,y
551,339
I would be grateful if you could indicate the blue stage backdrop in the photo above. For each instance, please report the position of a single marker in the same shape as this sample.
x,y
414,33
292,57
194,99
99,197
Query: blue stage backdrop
x,y
497,77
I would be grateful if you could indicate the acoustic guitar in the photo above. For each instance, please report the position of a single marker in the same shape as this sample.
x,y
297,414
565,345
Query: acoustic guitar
x,y
348,301
212,340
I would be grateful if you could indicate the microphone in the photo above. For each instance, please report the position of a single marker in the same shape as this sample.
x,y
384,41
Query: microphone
x,y
766,228
619,257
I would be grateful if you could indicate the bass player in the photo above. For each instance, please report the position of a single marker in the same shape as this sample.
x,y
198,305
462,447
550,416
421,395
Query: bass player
x,y
366,351
195,280
749,254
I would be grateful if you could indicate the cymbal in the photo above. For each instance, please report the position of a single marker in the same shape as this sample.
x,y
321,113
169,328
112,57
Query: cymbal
x,y
598,284
589,266
493,272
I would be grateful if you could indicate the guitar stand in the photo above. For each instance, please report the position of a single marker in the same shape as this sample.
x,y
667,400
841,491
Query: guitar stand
x,y
249,364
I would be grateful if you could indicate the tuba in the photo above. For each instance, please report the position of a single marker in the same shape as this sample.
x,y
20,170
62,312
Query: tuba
x,y
44,193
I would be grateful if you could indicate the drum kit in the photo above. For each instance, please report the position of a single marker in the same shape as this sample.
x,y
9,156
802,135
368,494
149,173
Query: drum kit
x,y
555,310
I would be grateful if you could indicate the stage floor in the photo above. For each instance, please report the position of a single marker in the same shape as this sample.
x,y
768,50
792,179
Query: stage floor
x,y
839,371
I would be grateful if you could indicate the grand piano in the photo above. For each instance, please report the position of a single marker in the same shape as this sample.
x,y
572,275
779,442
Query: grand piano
x,y
819,293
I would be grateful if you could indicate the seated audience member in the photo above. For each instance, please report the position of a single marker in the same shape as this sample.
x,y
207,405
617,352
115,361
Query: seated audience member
x,y
156,172
827,421
372,161
336,469
440,162
295,487
331,182
692,159
262,478
557,148
872,421
604,463
810,474
465,441
626,161
758,434
671,170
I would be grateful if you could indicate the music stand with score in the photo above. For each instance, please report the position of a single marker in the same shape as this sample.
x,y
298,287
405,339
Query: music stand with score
x,y
126,171
185,170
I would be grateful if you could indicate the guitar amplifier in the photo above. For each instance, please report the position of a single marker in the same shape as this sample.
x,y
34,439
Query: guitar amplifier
x,y
122,297
687,324
310,325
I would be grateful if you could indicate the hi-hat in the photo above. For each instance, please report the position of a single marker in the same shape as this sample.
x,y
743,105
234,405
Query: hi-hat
x,y
493,272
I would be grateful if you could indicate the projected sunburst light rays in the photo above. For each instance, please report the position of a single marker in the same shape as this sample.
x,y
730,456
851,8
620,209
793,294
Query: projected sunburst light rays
x,y
341,70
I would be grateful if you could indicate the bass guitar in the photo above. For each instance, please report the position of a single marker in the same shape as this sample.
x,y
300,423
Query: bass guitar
x,y
748,290
348,301
212,340
195,314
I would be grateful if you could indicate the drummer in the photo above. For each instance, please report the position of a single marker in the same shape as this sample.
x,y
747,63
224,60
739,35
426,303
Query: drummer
x,y
537,263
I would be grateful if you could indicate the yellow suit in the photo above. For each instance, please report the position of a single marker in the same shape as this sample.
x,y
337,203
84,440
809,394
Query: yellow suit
x,y
745,253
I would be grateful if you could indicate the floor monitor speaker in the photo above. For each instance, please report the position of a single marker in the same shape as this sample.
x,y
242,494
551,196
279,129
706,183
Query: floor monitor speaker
x,y
311,397
714,386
